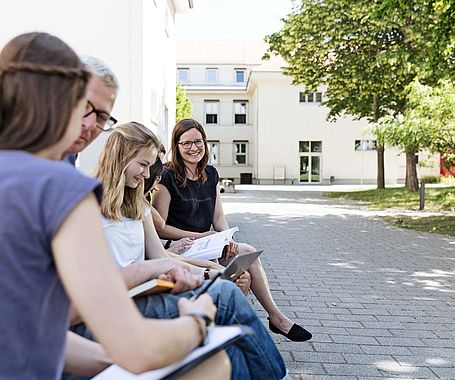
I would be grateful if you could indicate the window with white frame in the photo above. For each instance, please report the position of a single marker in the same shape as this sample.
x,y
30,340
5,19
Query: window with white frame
x,y
183,75
240,152
240,110
211,111
310,97
214,152
240,75
310,146
361,145
211,75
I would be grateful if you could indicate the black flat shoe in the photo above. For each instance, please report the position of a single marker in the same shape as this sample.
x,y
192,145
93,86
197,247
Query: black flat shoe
x,y
296,333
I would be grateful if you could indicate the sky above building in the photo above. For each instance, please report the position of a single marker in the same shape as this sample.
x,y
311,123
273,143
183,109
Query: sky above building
x,y
226,19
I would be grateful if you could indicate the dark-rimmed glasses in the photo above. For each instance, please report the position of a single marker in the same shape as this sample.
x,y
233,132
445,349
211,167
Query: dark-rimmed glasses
x,y
104,121
188,144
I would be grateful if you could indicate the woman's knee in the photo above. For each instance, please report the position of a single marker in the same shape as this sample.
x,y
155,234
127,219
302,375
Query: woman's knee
x,y
245,248
217,366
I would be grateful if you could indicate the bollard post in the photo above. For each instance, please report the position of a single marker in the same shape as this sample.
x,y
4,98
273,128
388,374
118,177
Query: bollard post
x,y
422,195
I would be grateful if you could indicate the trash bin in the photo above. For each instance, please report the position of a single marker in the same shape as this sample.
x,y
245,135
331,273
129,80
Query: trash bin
x,y
227,186
246,178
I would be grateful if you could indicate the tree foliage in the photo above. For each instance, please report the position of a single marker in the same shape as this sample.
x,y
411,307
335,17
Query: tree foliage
x,y
183,108
427,123
367,52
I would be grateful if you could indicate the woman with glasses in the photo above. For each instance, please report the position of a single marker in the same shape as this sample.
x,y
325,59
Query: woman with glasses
x,y
188,199
175,247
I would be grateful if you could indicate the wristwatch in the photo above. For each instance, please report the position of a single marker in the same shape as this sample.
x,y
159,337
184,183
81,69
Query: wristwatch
x,y
207,274
208,321
209,324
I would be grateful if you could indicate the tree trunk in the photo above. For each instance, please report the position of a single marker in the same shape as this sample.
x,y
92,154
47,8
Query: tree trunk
x,y
412,183
380,174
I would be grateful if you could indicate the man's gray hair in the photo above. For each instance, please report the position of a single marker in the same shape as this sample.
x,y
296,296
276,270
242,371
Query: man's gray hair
x,y
101,69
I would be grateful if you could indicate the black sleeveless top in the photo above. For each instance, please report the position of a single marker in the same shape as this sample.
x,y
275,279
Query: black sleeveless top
x,y
191,207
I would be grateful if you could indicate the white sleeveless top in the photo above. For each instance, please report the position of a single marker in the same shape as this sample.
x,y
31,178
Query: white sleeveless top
x,y
125,239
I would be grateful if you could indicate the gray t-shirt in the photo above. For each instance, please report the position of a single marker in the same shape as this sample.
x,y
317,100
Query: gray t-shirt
x,y
36,195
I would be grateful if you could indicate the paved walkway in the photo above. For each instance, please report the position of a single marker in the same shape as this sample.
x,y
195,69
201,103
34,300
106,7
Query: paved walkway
x,y
380,301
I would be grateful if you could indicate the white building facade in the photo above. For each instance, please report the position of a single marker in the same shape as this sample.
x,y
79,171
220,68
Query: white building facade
x,y
135,37
262,129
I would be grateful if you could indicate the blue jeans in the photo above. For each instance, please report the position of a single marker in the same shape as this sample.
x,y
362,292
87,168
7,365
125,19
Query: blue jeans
x,y
252,357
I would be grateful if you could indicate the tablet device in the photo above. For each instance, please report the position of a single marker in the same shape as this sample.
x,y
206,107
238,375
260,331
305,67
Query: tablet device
x,y
239,264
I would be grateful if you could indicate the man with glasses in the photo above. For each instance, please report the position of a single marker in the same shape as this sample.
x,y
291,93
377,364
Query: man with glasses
x,y
101,94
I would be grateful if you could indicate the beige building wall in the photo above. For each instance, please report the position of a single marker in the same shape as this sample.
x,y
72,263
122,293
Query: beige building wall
x,y
283,121
135,37
226,132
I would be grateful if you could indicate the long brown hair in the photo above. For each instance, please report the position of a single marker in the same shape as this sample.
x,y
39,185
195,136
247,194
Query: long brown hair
x,y
41,81
177,164
123,144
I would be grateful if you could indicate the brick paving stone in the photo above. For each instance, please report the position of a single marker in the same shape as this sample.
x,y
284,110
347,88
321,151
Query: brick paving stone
x,y
329,330
351,369
434,352
379,300
408,342
353,324
369,332
337,347
445,373
368,359
413,333
359,318
424,361
414,372
319,357
298,368
354,339
386,350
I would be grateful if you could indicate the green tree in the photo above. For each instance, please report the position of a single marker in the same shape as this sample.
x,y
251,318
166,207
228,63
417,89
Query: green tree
x,y
433,109
427,123
183,108
365,52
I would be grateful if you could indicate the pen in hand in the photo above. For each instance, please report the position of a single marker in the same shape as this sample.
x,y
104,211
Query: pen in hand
x,y
207,286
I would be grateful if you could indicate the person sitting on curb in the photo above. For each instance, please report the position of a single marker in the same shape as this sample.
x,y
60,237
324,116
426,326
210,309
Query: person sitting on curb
x,y
181,245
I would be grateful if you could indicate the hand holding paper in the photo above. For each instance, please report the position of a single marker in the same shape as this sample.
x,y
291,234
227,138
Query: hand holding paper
x,y
211,246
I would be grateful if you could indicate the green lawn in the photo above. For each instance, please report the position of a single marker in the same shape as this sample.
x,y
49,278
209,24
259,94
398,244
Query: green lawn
x,y
438,224
436,199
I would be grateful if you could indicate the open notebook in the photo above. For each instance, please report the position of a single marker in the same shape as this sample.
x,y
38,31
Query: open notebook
x,y
211,246
219,337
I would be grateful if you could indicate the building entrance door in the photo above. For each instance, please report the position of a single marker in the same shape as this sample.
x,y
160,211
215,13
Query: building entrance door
x,y
310,161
